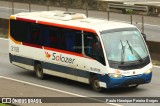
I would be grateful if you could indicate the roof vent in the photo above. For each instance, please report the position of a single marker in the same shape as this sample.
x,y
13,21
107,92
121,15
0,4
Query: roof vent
x,y
61,15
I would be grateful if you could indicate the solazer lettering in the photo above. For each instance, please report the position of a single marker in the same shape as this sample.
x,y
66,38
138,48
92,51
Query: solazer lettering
x,y
62,59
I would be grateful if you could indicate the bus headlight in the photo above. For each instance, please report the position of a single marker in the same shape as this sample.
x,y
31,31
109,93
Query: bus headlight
x,y
115,75
148,71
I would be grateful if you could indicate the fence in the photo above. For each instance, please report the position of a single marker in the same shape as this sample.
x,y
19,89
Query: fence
x,y
91,9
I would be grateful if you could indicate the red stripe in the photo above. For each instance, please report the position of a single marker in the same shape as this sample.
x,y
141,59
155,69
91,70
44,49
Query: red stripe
x,y
26,20
32,45
53,49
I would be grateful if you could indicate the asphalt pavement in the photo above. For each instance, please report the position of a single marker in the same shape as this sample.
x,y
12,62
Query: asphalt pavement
x,y
21,93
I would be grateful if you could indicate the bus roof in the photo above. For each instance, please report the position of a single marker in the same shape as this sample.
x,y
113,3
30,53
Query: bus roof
x,y
49,18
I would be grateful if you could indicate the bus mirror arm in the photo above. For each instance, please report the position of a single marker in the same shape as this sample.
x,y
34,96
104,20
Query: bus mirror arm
x,y
144,36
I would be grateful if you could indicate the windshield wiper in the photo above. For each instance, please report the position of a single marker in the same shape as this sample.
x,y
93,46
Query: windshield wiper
x,y
132,50
122,52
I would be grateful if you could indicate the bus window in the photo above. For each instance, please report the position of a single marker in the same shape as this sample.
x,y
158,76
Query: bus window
x,y
62,39
71,40
93,48
35,34
18,30
44,36
54,38
78,42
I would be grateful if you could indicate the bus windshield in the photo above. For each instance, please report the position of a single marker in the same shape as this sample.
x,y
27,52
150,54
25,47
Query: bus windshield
x,y
124,45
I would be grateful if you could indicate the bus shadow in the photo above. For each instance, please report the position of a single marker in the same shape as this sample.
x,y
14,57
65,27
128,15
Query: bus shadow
x,y
55,79
122,91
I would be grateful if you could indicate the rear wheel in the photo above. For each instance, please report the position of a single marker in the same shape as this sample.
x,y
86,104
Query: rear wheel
x,y
39,71
95,84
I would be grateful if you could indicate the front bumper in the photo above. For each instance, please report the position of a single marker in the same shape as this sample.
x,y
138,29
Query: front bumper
x,y
127,81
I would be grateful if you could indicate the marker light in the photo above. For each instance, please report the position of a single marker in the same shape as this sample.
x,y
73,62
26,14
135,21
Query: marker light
x,y
148,71
115,75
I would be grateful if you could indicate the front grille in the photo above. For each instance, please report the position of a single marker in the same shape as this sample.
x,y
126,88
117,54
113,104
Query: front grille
x,y
134,81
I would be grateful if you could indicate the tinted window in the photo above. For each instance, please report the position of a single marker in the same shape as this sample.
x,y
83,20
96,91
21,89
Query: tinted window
x,y
93,47
73,40
18,30
50,36
35,33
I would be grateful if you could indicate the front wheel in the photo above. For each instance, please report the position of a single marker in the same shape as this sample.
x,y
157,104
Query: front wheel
x,y
39,71
95,84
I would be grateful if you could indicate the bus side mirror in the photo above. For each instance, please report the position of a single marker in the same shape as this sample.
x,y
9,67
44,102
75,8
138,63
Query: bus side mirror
x,y
144,36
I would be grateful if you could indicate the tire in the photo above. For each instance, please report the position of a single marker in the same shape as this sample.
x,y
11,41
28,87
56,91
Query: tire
x,y
95,84
39,71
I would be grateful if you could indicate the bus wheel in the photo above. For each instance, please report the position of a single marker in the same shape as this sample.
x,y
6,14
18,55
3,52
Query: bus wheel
x,y
39,71
95,84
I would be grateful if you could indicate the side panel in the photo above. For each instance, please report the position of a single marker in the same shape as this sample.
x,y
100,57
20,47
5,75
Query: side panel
x,y
52,69
59,63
